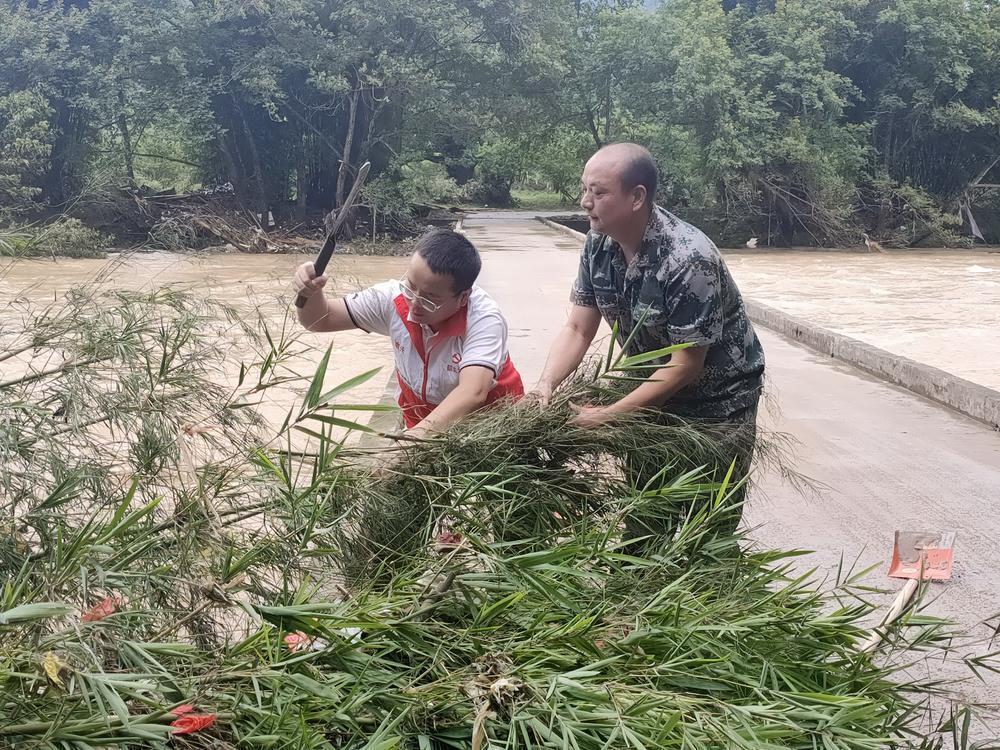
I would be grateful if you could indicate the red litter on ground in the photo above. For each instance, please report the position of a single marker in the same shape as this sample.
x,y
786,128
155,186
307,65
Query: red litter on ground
x,y
108,606
297,641
923,555
191,723
188,722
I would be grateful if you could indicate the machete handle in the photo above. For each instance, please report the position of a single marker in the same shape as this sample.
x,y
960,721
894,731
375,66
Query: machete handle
x,y
319,266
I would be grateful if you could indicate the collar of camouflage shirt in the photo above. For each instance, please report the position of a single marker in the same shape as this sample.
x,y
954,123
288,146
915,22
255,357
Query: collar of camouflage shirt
x,y
648,253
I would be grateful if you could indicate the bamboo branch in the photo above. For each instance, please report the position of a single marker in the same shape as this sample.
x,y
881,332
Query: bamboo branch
x,y
169,158
11,353
51,371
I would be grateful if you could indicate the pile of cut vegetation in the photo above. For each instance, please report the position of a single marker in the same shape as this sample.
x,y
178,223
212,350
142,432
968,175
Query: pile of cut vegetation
x,y
473,591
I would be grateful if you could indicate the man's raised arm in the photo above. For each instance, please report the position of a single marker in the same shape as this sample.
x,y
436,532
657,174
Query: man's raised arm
x,y
319,313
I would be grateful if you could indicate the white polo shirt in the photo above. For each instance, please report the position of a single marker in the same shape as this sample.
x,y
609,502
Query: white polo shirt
x,y
428,362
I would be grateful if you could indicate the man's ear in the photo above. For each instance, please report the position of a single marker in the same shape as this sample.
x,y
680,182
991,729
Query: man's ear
x,y
463,298
638,197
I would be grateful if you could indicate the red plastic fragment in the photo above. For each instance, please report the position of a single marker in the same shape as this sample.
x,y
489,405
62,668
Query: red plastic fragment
x,y
107,606
297,641
190,723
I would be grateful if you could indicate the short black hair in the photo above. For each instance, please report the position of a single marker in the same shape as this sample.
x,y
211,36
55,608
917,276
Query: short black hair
x,y
638,168
447,252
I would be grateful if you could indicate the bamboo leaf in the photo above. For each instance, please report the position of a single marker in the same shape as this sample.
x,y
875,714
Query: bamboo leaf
x,y
641,359
364,407
32,612
337,422
316,386
347,385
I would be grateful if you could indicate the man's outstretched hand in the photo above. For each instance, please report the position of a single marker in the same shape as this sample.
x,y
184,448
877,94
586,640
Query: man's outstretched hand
x,y
541,393
590,416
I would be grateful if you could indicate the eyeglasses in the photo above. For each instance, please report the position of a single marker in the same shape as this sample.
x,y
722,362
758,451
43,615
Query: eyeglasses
x,y
415,299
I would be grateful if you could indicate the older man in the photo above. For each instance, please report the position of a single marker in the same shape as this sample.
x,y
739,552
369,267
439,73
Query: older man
x,y
643,267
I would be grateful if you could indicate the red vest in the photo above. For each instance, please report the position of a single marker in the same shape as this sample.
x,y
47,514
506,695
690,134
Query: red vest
x,y
413,400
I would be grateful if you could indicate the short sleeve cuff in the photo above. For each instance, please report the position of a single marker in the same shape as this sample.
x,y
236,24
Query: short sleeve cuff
x,y
354,320
583,299
481,363
694,335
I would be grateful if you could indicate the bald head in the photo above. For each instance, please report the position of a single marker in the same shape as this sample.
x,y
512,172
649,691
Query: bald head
x,y
633,164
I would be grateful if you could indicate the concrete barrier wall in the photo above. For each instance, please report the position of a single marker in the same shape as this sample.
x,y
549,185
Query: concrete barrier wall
x,y
963,395
562,228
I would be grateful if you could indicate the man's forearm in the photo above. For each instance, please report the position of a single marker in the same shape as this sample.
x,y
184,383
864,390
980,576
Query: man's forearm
x,y
568,351
314,313
659,388
459,403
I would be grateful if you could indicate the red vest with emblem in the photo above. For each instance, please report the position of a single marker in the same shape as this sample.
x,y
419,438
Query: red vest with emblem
x,y
414,404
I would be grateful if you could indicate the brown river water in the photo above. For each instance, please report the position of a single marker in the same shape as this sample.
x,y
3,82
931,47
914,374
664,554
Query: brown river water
x,y
246,282
939,307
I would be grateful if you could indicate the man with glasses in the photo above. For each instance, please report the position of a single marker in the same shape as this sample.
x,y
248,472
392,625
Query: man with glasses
x,y
448,336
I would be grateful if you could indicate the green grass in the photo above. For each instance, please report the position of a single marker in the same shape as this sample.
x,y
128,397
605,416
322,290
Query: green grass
x,y
65,238
541,200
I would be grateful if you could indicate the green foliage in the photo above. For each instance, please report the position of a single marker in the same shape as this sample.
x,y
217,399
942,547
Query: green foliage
x,y
774,113
25,142
171,162
385,196
557,162
904,215
500,161
929,76
162,548
769,114
403,191
531,199
65,237
425,181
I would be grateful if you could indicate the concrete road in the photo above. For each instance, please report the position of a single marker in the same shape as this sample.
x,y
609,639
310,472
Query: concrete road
x,y
881,457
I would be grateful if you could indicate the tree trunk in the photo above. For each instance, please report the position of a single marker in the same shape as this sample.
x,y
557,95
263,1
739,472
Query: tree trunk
x,y
55,190
301,186
345,161
232,168
126,138
607,109
228,139
260,204
592,126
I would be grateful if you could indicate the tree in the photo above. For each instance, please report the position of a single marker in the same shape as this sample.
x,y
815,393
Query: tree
x,y
798,118
25,144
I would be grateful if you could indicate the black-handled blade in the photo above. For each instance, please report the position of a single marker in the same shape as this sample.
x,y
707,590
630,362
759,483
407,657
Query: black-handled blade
x,y
330,243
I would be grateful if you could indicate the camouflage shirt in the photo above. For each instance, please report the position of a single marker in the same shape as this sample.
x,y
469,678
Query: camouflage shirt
x,y
680,283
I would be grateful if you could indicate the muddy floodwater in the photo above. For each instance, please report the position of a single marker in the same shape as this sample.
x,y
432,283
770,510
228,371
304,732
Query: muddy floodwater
x,y
941,308
248,283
